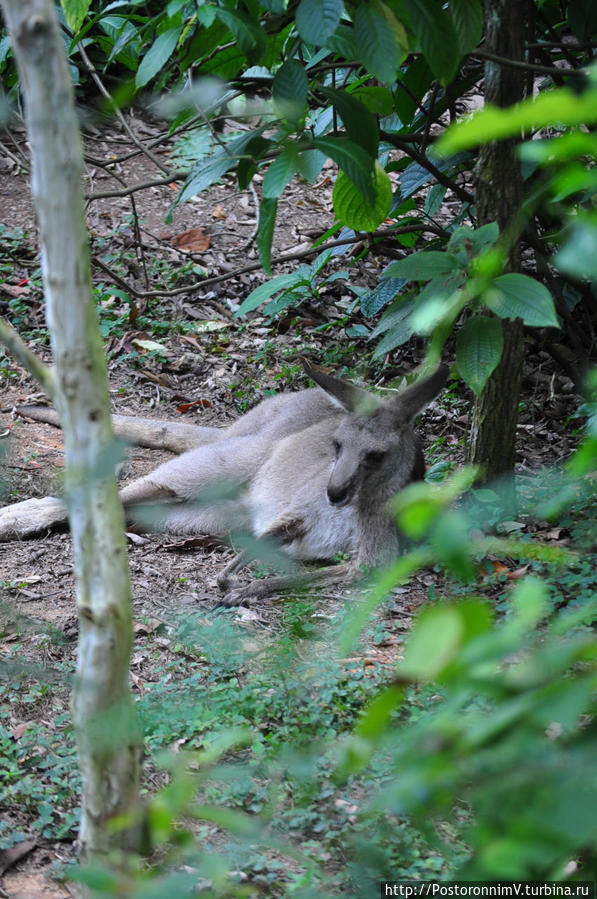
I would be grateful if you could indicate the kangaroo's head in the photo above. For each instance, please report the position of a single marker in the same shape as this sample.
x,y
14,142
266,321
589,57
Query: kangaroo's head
x,y
374,445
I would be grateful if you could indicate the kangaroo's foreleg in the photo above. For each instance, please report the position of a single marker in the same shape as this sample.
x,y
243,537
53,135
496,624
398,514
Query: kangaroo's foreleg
x,y
344,574
212,468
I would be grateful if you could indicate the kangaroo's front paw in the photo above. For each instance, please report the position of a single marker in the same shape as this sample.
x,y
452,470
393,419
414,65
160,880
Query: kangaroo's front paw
x,y
239,596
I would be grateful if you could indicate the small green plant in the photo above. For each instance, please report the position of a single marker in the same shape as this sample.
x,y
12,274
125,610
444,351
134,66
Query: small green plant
x,y
293,289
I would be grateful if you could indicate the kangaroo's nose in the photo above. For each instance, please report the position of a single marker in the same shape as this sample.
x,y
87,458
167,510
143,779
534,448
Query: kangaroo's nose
x,y
339,495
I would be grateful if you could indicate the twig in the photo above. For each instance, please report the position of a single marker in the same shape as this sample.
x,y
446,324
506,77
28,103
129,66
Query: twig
x,y
526,66
429,117
15,345
255,266
100,85
19,162
420,158
144,185
253,233
138,241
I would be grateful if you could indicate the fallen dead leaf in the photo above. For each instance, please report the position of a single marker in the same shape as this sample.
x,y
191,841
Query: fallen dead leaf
x,y
150,346
18,731
218,212
200,403
195,240
149,626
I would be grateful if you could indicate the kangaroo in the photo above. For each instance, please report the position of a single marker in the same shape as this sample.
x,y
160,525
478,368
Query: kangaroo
x,y
314,471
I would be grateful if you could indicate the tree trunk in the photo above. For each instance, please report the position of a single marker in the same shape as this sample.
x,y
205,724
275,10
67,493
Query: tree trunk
x,y
108,736
499,199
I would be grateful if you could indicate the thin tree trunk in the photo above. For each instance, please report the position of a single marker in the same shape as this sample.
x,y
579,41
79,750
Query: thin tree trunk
x,y
499,199
108,737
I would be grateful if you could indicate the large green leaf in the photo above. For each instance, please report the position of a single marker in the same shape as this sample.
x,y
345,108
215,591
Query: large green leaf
x,y
353,160
265,232
360,123
289,90
467,16
351,206
75,12
375,43
423,266
157,56
437,37
518,296
434,642
280,173
316,20
479,345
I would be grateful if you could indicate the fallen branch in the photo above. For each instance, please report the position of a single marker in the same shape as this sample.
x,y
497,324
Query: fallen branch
x,y
277,260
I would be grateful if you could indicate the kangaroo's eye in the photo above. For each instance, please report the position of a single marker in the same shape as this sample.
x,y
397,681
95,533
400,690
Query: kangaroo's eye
x,y
375,457
336,446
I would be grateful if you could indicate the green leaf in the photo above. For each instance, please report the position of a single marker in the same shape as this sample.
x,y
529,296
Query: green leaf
x,y
416,81
279,174
378,100
353,160
578,256
360,124
264,292
396,322
208,171
342,42
433,644
382,294
375,43
437,37
351,206
317,20
289,90
250,39
561,106
473,241
248,164
309,164
467,16
265,232
518,296
157,56
75,12
479,345
423,266
434,199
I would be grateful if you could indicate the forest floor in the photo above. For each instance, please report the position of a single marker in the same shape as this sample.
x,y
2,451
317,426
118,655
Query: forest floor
x,y
208,369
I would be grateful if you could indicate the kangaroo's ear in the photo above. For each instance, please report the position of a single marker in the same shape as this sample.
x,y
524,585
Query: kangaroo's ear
x,y
343,393
415,398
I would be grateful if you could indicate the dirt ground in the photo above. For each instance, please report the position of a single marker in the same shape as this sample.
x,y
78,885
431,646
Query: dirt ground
x,y
212,375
